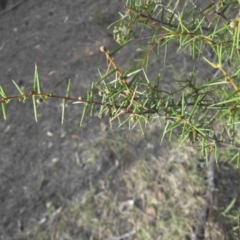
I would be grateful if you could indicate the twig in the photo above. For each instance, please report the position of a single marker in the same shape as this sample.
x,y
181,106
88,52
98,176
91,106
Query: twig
x,y
112,61
126,235
145,17
132,99
230,79
154,20
200,229
218,12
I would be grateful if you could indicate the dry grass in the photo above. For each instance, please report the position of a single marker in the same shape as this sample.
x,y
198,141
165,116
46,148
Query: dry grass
x,y
153,192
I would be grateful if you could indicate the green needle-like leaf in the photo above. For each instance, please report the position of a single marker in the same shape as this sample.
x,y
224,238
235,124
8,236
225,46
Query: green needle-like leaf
x,y
2,92
18,88
106,76
64,100
37,85
120,47
4,110
83,114
229,207
214,65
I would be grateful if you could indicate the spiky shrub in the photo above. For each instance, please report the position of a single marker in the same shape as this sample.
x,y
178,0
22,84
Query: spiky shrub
x,y
202,111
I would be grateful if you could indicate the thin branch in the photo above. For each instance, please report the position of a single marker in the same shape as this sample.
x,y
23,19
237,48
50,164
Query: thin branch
x,y
145,17
112,61
204,213
230,79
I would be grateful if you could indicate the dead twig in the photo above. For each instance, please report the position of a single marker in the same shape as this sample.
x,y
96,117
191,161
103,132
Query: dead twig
x,y
200,229
126,235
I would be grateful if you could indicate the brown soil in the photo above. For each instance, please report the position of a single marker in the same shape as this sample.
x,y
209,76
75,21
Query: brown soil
x,y
46,161
63,39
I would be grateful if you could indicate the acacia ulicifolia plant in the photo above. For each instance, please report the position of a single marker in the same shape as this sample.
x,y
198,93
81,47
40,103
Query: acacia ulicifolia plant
x,y
133,97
